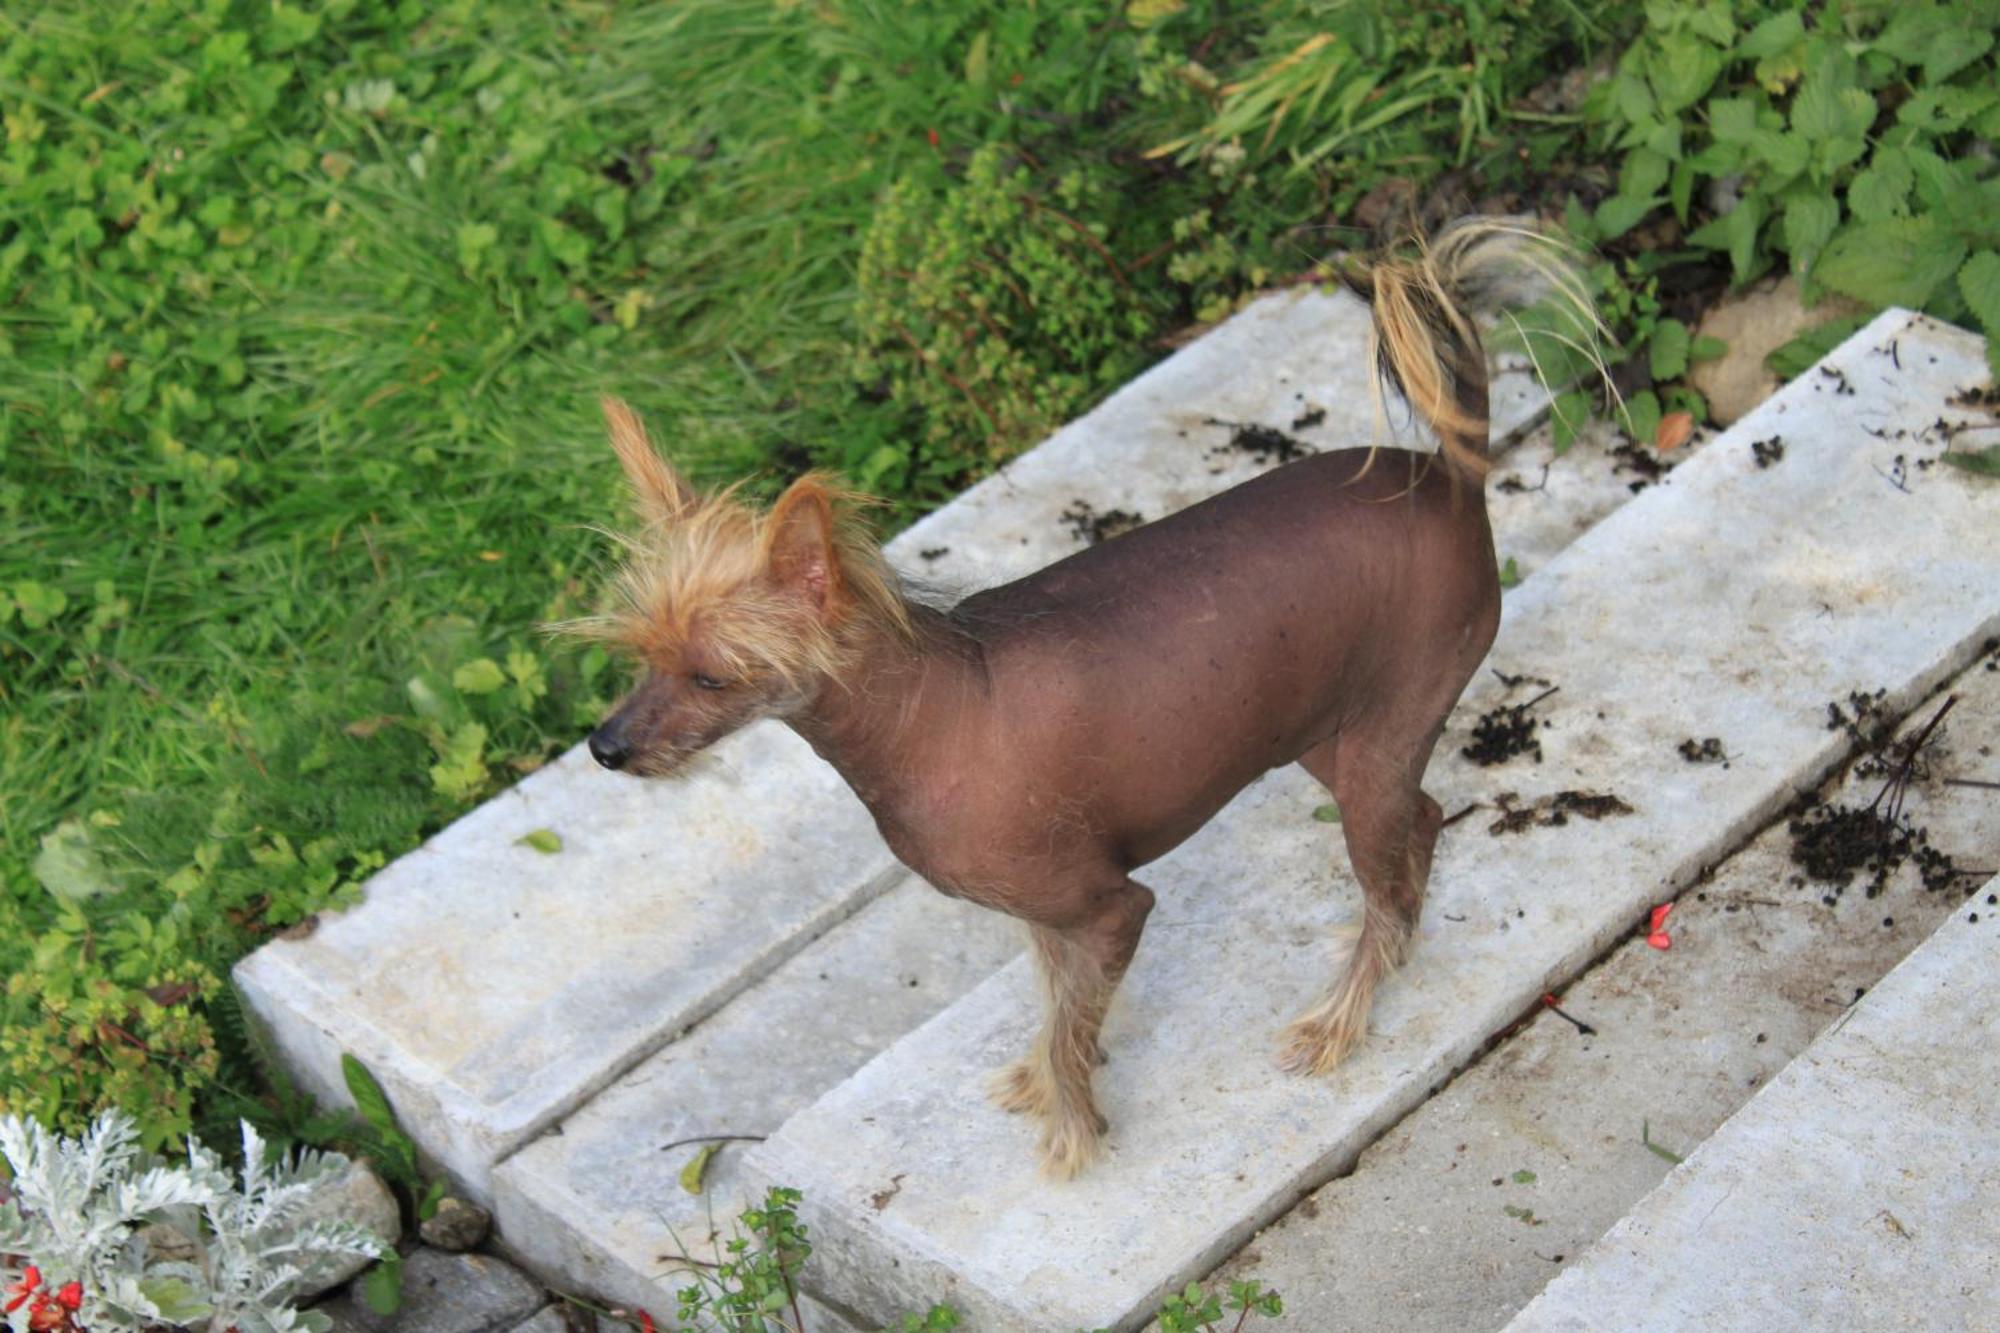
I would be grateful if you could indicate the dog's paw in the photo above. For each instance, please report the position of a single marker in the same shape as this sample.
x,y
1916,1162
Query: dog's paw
x,y
1313,1046
1072,1141
1023,1088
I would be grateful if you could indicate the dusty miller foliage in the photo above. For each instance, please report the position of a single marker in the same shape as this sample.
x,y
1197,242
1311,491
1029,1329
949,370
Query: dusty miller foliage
x,y
79,1206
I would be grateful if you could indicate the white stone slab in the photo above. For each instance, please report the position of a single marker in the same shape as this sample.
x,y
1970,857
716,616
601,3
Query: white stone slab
x,y
492,989
599,1206
1729,600
1859,1190
1436,1230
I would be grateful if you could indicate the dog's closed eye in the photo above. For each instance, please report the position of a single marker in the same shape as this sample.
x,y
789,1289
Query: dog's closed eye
x,y
706,682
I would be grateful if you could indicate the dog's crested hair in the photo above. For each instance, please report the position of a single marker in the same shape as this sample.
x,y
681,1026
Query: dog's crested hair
x,y
766,593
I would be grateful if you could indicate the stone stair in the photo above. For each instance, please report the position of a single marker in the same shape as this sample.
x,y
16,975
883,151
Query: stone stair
x,y
1461,1214
736,954
1858,1190
1734,600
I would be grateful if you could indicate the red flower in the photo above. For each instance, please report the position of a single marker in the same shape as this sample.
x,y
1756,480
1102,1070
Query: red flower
x,y
645,1322
71,1296
932,135
46,1316
31,1277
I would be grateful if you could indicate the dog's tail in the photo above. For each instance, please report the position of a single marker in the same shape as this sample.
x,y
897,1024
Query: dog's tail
x,y
1424,340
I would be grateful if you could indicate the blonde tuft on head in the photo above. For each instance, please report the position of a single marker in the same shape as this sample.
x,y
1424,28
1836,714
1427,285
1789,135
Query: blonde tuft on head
x,y
700,568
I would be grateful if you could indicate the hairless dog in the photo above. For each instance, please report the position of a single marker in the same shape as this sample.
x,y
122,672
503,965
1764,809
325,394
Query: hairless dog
x,y
1033,745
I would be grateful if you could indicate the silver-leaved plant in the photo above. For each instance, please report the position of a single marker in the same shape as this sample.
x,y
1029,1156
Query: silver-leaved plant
x,y
79,1208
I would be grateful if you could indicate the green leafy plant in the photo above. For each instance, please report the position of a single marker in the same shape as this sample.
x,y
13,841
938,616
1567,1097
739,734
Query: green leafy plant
x,y
995,310
1195,1307
1830,140
78,1207
755,1288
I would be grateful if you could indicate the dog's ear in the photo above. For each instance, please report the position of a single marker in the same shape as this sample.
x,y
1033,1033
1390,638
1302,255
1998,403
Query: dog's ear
x,y
799,543
661,493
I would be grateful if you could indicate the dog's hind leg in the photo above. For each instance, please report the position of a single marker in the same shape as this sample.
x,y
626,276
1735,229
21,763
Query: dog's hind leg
x,y
1081,965
1392,828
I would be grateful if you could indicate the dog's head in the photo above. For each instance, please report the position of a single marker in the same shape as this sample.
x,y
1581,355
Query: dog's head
x,y
734,612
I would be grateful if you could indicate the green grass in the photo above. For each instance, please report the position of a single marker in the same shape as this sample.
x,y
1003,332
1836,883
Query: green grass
x,y
303,315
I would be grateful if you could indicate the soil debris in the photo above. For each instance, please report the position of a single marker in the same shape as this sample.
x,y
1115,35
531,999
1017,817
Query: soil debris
x,y
1266,444
1506,731
1553,811
1091,527
1309,418
1867,723
1841,388
1835,844
1977,395
1767,452
1648,466
1708,750
930,553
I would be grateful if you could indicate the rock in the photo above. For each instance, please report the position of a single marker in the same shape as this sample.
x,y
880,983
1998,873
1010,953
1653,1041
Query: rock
x,y
1754,322
456,1225
446,1293
357,1195
165,1244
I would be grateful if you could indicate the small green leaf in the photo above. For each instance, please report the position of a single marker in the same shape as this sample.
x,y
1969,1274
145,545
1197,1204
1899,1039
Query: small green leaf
x,y
1773,36
1642,416
1707,348
373,1106
427,1206
1524,1177
1732,119
1620,213
1877,193
382,1285
542,840
1644,172
174,1300
1735,231
39,604
1797,356
1327,814
1510,574
1810,218
697,1167
1979,462
978,64
1670,349
1568,415
70,866
1646,1137
1899,262
1681,67
1979,284
480,676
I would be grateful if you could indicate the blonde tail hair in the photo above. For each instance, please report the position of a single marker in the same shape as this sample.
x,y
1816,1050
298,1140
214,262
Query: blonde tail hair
x,y
1424,341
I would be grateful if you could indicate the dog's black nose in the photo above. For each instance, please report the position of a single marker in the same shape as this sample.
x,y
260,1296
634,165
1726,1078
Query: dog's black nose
x,y
609,748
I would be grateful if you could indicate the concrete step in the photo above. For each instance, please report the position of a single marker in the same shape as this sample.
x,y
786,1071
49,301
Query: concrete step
x,y
1460,1215
492,989
1858,1190
597,1206
1734,600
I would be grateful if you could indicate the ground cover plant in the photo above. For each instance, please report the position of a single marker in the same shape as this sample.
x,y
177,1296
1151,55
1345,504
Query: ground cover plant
x,y
304,309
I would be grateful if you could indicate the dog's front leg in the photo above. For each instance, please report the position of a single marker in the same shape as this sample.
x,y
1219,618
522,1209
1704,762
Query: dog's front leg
x,y
1081,964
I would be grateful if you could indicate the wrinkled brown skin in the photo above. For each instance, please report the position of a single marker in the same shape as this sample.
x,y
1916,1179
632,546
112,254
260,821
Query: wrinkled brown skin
x,y
1046,738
